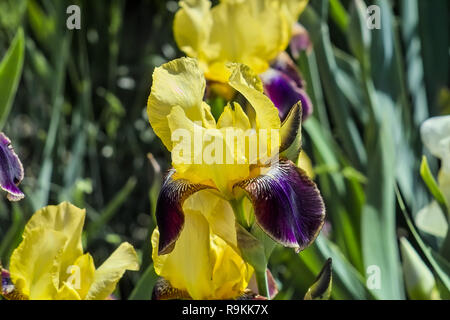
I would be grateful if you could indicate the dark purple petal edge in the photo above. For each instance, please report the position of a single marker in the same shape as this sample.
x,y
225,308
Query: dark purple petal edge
x,y
169,212
287,204
11,170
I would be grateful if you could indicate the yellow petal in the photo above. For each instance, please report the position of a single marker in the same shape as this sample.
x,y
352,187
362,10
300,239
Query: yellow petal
x,y
191,28
177,83
188,266
293,8
202,263
244,80
304,162
252,32
64,218
217,211
67,293
34,265
231,273
110,272
80,275
234,118
200,155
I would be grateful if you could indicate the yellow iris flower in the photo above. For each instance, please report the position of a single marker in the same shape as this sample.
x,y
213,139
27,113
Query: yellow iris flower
x,y
205,262
49,263
196,246
176,103
252,32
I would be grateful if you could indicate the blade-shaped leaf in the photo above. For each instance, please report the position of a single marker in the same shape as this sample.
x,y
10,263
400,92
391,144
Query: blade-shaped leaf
x,y
10,72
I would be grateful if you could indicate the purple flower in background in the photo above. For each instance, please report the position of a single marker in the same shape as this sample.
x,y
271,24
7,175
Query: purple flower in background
x,y
11,170
284,85
300,40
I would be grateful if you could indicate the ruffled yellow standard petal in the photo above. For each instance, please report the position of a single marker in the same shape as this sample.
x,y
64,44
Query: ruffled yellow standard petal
x,y
35,264
110,272
200,155
244,80
202,263
193,27
66,219
252,32
177,83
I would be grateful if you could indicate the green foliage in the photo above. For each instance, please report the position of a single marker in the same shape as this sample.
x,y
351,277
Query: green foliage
x,y
79,125
10,72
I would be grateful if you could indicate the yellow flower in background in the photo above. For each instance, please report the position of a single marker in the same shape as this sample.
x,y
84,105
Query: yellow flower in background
x,y
49,263
251,32
205,261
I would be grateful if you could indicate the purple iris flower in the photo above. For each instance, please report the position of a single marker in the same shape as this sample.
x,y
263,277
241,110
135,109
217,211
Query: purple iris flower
x,y
11,170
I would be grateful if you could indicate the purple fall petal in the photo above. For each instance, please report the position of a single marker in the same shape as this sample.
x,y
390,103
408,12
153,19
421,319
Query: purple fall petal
x,y
287,204
11,170
169,212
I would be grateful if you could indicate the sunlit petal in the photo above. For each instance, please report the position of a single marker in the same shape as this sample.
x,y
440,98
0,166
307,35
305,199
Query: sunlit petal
x,y
177,83
110,272
34,265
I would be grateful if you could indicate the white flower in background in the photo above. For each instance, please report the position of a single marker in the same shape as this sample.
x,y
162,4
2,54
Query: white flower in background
x,y
435,134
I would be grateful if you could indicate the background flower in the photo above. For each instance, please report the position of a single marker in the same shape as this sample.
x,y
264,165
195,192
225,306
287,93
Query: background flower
x,y
49,263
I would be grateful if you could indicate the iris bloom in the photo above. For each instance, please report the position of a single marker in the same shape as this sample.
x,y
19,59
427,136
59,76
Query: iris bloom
x,y
435,134
251,32
194,212
49,263
205,262
11,170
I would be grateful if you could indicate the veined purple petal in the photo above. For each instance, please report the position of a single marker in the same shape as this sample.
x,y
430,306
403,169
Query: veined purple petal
x,y
285,93
169,212
287,204
11,170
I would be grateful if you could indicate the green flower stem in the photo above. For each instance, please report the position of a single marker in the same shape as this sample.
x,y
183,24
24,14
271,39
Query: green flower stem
x,y
255,246
263,284
239,213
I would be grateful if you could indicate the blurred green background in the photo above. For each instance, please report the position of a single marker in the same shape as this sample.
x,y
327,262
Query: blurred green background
x,y
78,122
